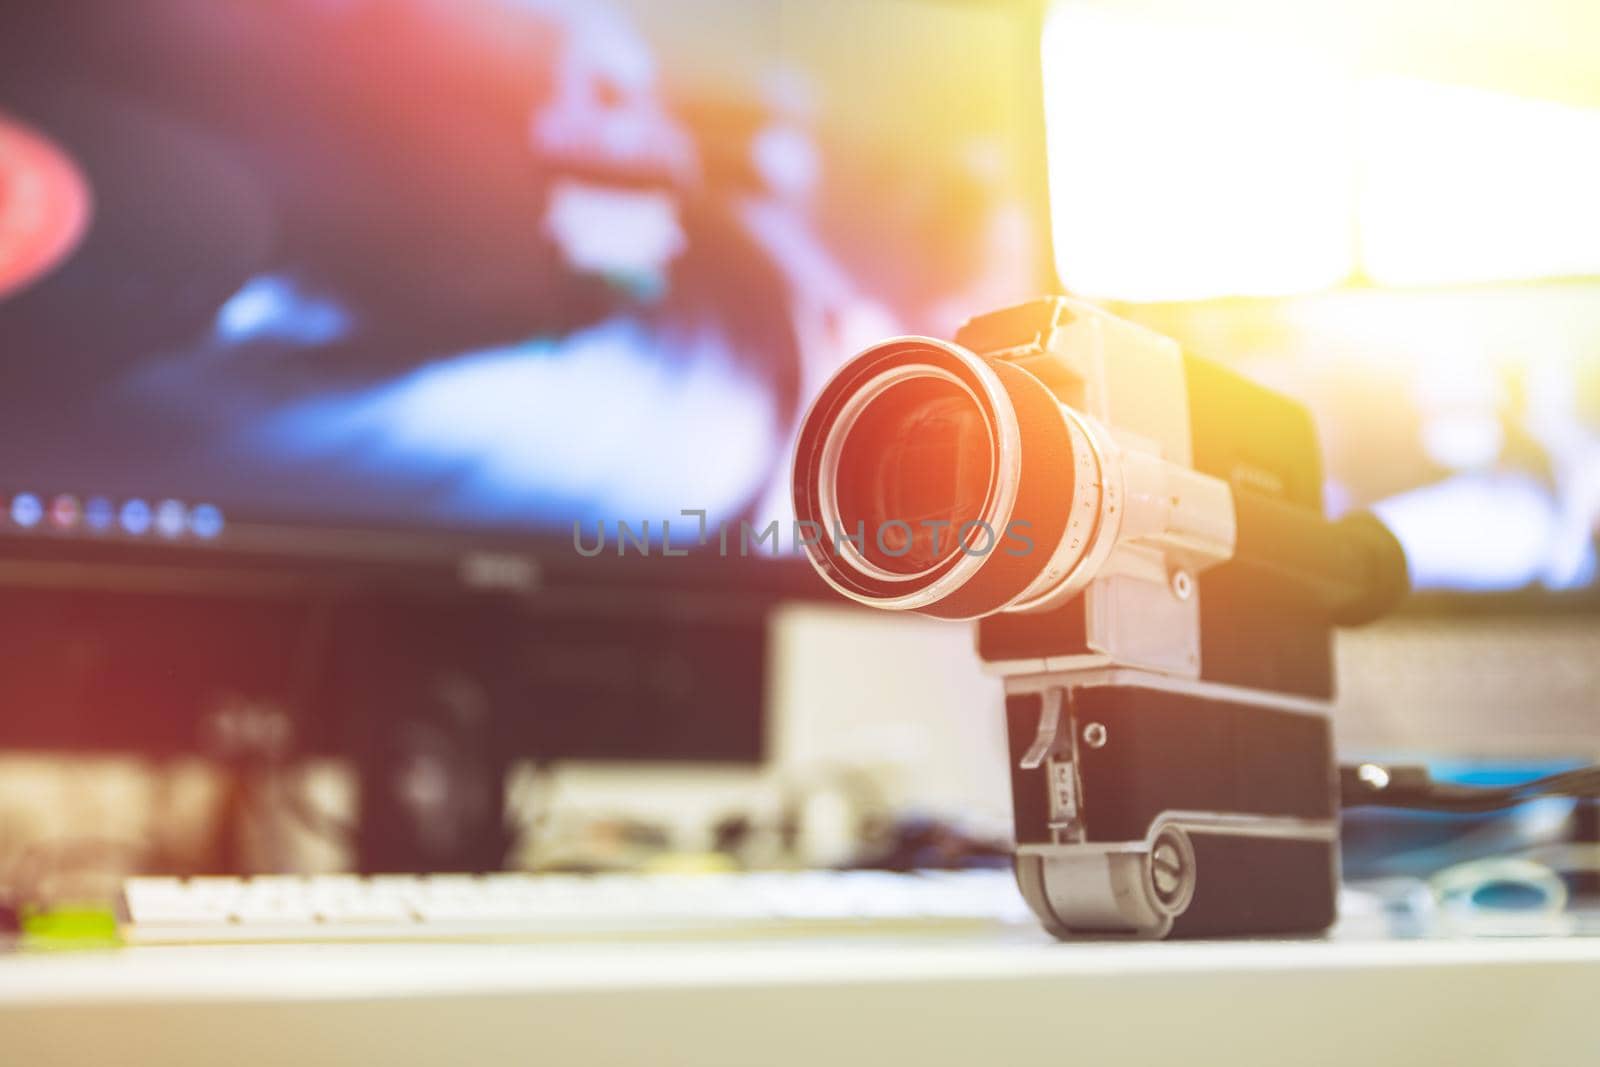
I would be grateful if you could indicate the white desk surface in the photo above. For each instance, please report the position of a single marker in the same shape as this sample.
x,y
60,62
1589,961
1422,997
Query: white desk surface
x,y
1011,997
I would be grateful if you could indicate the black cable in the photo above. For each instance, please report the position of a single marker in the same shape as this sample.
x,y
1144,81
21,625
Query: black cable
x,y
1385,786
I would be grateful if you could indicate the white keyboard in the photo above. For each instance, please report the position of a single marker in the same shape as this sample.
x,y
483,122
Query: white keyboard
x,y
555,907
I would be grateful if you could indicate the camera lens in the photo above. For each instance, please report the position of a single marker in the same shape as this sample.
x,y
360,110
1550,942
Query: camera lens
x,y
937,481
915,469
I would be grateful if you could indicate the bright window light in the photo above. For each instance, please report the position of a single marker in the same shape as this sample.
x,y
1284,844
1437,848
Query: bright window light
x,y
1188,163
1191,162
1463,185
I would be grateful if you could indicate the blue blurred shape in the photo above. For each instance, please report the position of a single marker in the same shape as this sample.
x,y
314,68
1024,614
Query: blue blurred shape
x,y
98,514
205,521
136,517
272,307
26,510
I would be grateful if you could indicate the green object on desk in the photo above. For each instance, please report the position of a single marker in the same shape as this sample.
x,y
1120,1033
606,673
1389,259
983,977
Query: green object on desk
x,y
69,926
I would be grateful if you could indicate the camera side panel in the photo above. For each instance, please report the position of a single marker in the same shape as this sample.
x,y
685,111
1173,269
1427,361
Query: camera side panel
x,y
1251,787
1256,629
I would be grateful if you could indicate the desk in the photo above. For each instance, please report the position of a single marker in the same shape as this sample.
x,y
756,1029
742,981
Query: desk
x,y
1015,997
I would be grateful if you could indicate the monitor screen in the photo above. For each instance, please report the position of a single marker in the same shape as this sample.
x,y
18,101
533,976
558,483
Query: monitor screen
x,y
269,269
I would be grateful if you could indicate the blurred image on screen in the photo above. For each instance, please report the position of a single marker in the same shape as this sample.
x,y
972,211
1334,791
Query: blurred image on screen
x,y
492,265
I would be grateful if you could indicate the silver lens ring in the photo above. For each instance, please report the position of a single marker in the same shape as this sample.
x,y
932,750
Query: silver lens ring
x,y
1005,438
1092,524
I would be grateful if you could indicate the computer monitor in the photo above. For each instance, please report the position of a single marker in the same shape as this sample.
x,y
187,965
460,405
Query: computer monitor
x,y
1408,244
327,327
409,278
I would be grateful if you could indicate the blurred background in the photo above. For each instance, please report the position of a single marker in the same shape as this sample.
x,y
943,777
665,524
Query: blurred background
x,y
326,324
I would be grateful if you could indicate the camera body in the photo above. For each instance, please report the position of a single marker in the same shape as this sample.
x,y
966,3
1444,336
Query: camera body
x,y
1167,652
1173,769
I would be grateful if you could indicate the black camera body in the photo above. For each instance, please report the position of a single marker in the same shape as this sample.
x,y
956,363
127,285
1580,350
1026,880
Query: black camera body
x,y
1162,617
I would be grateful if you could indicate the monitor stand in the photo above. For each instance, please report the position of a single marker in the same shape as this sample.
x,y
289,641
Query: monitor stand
x,y
434,688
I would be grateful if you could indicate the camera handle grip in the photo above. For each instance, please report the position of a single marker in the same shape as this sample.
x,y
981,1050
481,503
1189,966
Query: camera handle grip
x,y
1353,568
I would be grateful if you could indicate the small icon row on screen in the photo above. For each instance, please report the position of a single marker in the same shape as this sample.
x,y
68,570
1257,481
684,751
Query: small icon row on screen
x,y
135,517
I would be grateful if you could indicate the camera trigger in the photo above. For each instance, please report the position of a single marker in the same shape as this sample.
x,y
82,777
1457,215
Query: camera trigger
x,y
1044,742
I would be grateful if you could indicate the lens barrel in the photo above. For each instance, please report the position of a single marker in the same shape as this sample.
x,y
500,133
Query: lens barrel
x,y
933,480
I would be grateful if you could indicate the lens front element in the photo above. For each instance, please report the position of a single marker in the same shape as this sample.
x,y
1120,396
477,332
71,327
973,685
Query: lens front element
x,y
917,467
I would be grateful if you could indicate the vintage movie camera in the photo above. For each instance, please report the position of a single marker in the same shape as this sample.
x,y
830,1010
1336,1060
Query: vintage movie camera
x,y
1140,536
